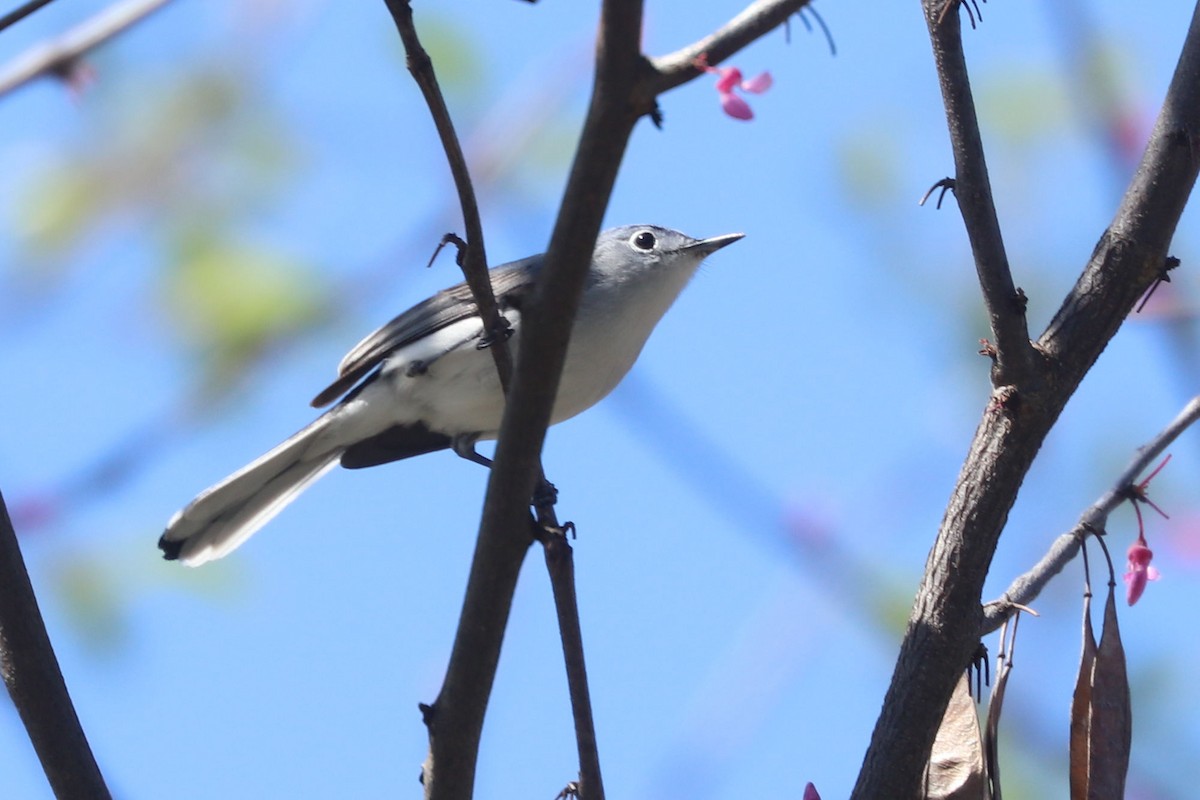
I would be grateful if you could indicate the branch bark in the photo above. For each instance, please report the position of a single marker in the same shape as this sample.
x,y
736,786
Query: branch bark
x,y
947,617
35,682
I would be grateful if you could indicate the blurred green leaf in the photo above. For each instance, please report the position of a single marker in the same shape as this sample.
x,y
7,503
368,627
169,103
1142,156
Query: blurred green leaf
x,y
454,53
233,299
92,602
867,162
1023,106
56,209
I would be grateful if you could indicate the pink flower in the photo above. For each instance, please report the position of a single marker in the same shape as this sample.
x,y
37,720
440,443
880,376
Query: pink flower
x,y
810,792
1140,571
729,80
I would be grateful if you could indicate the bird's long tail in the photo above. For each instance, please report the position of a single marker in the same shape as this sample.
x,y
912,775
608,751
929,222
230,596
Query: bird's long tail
x,y
228,513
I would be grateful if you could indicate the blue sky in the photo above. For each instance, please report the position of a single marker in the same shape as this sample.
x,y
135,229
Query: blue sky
x,y
754,505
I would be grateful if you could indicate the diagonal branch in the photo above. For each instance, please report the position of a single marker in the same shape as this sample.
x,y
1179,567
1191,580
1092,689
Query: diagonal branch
x,y
35,683
1131,254
973,190
755,21
21,12
56,56
1025,588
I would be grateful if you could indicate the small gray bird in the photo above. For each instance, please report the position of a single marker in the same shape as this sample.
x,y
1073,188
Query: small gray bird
x,y
423,382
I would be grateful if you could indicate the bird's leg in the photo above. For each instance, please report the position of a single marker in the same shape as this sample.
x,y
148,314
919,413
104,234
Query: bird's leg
x,y
463,446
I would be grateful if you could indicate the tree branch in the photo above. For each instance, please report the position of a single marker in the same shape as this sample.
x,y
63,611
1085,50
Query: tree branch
x,y
1093,521
454,739
503,535
474,263
944,626
35,682
560,563
1132,252
973,191
618,101
57,55
757,20
21,12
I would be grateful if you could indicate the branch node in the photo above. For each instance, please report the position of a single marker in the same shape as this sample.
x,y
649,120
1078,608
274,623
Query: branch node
x,y
988,349
1005,398
1020,301
1164,276
946,185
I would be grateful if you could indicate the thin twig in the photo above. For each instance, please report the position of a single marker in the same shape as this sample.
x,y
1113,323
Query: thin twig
x,y
973,191
1093,521
755,21
560,564
21,12
56,55
35,682
474,263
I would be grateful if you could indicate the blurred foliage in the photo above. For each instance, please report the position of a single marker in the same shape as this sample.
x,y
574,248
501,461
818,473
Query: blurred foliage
x,y
868,164
187,161
1022,106
93,602
455,57
194,144
229,299
99,591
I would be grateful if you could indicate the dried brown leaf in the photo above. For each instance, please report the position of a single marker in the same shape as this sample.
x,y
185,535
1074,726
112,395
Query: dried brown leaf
x,y
1081,707
1110,731
955,767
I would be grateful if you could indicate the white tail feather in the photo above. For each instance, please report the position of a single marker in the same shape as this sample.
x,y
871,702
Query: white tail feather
x,y
228,513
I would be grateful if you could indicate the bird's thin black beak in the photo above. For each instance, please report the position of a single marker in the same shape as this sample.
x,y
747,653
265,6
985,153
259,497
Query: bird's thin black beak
x,y
715,243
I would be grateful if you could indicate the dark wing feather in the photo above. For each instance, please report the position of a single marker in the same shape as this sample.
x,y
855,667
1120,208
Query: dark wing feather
x,y
511,283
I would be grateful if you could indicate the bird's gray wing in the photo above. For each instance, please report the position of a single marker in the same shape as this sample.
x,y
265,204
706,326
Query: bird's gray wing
x,y
511,284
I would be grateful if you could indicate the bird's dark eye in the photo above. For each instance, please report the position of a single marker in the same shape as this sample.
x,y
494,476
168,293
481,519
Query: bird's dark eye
x,y
643,240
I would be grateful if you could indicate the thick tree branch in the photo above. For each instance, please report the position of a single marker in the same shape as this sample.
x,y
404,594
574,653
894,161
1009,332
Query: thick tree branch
x,y
503,535
475,655
58,55
973,190
1093,521
1131,254
35,682
947,617
618,101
